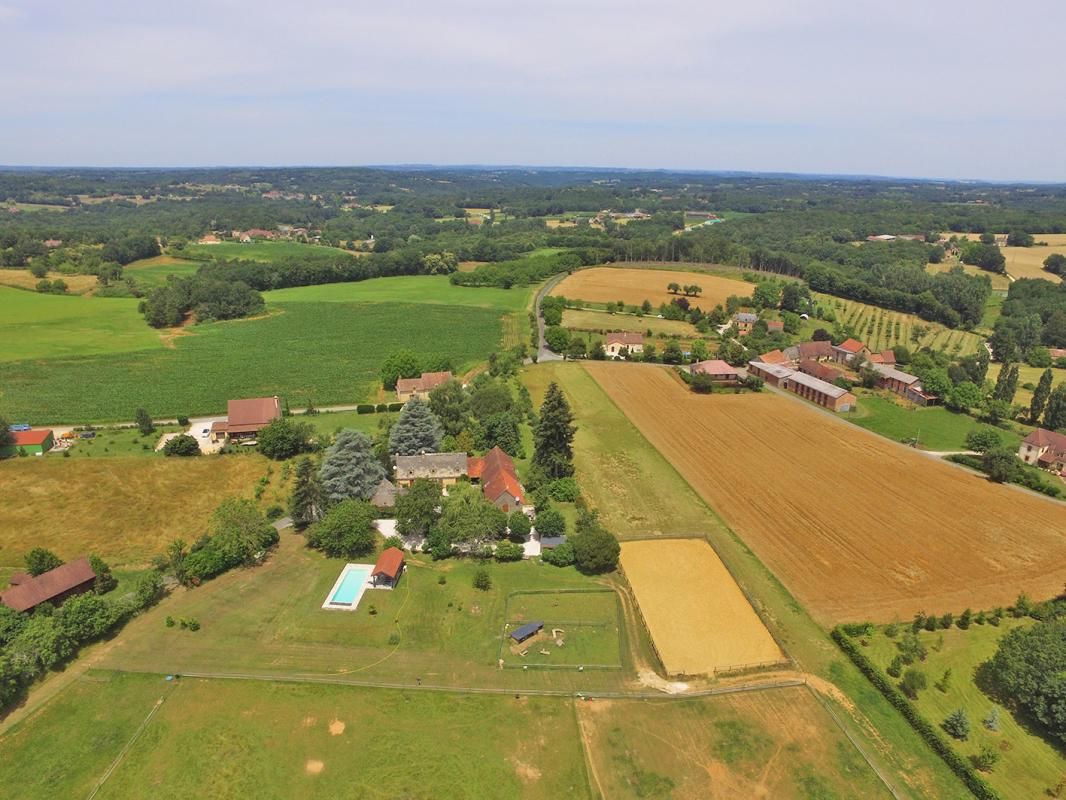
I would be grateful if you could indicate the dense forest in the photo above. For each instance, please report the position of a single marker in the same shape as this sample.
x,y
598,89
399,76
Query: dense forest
x,y
409,221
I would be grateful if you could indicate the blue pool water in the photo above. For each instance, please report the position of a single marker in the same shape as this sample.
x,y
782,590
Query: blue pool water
x,y
351,587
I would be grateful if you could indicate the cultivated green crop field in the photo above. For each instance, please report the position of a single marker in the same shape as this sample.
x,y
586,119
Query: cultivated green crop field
x,y
38,326
261,251
320,352
231,739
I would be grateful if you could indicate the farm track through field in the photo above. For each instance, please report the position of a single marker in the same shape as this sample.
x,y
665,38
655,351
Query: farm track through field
x,y
855,526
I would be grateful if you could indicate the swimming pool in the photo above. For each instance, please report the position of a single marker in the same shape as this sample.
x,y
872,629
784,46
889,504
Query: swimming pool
x,y
349,587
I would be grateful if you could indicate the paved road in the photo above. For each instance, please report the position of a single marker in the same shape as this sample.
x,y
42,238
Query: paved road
x,y
543,353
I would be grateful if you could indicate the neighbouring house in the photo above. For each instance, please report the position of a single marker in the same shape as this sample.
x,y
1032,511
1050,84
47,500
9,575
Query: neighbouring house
x,y
775,326
496,473
420,387
527,631
245,418
54,586
815,351
745,321
819,370
33,443
385,495
807,386
256,233
881,237
388,569
773,357
1057,353
717,370
209,238
617,341
443,468
51,244
1045,449
847,350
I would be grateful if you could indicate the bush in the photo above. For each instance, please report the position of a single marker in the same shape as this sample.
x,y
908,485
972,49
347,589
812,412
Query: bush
x,y
284,438
561,556
393,541
914,681
40,561
183,421
895,668
550,523
509,551
595,550
346,531
381,408
957,724
985,759
364,408
395,406
482,580
564,490
182,445
518,526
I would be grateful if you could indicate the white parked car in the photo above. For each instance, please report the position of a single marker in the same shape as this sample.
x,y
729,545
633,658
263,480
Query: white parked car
x,y
205,433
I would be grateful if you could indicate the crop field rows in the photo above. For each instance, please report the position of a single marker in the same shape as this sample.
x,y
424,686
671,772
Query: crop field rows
x,y
881,329
852,524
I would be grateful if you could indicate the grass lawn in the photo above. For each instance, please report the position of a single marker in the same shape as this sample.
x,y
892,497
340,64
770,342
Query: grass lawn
x,y
779,743
635,489
935,427
229,739
637,493
266,251
119,442
325,353
1028,764
269,619
333,422
590,623
40,326
124,509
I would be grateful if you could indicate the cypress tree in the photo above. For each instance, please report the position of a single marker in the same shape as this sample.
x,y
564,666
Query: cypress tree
x,y
553,453
307,501
1040,396
1055,415
350,469
416,431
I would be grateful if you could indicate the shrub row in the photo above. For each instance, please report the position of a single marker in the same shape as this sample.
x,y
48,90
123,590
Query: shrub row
x,y
966,773
380,408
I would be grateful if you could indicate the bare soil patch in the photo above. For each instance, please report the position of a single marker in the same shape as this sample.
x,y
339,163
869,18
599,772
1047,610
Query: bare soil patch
x,y
855,526
314,766
336,727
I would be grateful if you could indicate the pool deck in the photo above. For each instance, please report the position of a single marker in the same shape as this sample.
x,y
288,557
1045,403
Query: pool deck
x,y
329,605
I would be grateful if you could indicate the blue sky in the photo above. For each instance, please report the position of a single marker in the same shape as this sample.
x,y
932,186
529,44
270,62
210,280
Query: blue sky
x,y
935,89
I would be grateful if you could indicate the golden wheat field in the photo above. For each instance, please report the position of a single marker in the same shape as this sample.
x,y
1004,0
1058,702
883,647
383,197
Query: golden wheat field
x,y
699,619
634,286
855,526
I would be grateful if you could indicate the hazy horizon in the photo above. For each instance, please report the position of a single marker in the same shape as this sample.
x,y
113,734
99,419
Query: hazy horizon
x,y
955,91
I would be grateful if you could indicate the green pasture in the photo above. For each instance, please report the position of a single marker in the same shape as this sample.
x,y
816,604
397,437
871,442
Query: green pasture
x,y
41,326
336,421
1029,765
325,353
266,251
407,289
935,427
588,624
152,272
240,739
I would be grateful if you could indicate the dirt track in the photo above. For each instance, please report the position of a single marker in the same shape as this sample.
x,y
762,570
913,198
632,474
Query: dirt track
x,y
855,526
698,617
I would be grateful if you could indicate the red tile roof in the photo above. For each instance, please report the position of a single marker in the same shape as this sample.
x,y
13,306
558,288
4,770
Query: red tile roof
x,y
249,416
389,563
821,371
426,382
773,357
51,584
498,475
624,338
30,437
714,366
1045,438
851,345
819,349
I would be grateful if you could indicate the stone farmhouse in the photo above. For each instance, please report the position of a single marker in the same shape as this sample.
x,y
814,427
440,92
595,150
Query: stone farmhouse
x,y
420,387
619,341
1044,449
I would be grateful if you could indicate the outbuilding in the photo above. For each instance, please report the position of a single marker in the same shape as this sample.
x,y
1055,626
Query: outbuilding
x,y
33,443
527,631
389,568
54,586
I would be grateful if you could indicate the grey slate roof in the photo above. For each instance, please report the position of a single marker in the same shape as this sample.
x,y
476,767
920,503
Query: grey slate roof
x,y
434,466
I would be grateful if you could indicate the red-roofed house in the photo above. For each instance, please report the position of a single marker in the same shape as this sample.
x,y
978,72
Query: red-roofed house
x,y
1045,449
619,340
34,442
716,370
821,350
846,351
499,479
886,357
821,371
388,569
773,357
54,586
420,387
245,418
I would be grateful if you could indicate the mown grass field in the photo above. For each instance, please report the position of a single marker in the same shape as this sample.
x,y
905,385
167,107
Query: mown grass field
x,y
43,326
306,352
228,739
1028,262
935,427
779,743
269,620
266,251
1027,374
22,278
881,329
435,289
602,322
118,442
125,509
1029,765
151,272
999,281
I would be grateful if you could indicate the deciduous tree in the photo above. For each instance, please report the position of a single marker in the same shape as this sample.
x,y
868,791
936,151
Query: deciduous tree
x,y
346,531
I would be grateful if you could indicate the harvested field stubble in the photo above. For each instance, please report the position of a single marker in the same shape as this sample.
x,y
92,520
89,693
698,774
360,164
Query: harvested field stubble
x,y
855,526
634,286
699,619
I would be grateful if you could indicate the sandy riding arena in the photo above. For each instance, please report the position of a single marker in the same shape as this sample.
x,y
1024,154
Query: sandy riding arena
x,y
699,619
